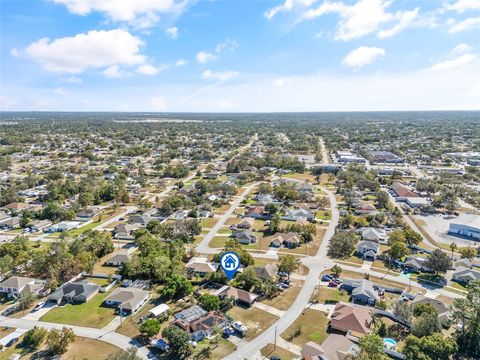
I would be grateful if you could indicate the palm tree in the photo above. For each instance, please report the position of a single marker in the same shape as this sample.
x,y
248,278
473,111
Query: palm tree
x,y
453,247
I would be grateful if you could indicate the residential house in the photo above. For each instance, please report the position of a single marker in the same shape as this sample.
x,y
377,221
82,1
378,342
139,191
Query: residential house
x,y
198,323
246,223
40,225
240,296
87,214
245,237
347,318
10,223
374,234
467,263
415,264
141,220
334,347
62,226
16,206
267,272
200,266
16,286
76,292
266,199
289,240
159,310
365,209
368,250
297,214
442,310
125,231
362,291
127,300
256,212
118,259
465,275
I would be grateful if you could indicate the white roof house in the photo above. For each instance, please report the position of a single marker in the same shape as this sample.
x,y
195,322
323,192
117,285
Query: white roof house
x,y
374,234
159,310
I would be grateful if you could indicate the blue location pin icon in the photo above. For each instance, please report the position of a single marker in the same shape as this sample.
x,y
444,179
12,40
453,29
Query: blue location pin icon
x,y
230,262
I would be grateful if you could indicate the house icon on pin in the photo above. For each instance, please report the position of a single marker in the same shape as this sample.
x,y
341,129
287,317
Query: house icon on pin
x,y
229,263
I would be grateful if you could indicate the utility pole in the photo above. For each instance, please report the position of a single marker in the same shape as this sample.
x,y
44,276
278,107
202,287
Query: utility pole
x,y
275,340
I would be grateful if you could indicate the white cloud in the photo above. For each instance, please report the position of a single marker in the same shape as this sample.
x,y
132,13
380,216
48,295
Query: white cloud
x,y
114,72
139,13
147,69
60,91
92,50
72,80
228,44
220,76
406,19
461,49
288,5
15,52
362,56
6,103
463,5
364,17
172,32
181,62
454,63
204,57
466,24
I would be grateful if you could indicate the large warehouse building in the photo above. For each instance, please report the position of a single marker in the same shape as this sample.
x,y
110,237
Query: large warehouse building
x,y
466,225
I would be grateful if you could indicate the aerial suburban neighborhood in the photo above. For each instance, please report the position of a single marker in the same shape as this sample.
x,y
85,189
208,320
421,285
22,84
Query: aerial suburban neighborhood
x,y
112,232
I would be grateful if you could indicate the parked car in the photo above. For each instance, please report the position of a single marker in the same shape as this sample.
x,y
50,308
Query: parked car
x,y
240,328
326,278
332,284
227,332
160,344
11,342
38,306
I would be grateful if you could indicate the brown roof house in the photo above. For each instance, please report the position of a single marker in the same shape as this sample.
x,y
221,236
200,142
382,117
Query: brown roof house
x,y
246,223
334,347
200,266
127,300
267,272
351,319
198,323
240,296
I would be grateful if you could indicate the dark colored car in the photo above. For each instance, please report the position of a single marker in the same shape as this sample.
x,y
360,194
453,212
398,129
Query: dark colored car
x,y
11,342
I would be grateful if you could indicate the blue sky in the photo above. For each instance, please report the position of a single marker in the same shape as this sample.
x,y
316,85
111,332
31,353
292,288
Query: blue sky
x,y
285,55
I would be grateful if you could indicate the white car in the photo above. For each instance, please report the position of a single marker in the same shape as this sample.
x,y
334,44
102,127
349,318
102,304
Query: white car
x,y
239,327
38,306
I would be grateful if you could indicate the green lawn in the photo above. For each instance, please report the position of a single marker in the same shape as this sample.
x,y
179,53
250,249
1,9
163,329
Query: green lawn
x,y
91,313
82,229
325,295
218,242
255,320
310,326
268,351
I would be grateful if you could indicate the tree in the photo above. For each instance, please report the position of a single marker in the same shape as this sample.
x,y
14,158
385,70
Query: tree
x,y
34,337
467,313
178,340
426,324
209,302
433,347
453,247
403,311
274,224
398,250
438,261
150,327
396,236
271,208
371,348
412,237
176,286
336,270
382,199
130,354
25,300
468,253
425,308
342,245
288,264
58,340
248,279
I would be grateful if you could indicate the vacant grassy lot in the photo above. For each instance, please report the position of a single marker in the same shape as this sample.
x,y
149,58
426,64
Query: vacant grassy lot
x,y
84,348
219,351
255,320
218,242
285,299
324,294
268,352
209,222
310,326
91,313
